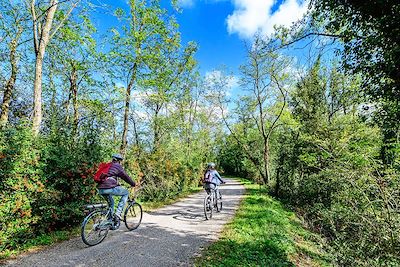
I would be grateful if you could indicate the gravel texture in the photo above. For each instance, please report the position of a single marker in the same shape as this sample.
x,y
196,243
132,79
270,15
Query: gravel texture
x,y
169,236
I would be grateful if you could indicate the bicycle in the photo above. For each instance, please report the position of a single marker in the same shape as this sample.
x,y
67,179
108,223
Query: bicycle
x,y
101,219
212,200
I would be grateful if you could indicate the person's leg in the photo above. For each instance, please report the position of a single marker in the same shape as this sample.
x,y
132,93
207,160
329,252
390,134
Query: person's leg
x,y
124,193
107,194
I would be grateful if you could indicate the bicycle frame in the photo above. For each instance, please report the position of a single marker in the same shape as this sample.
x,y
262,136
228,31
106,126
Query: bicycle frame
x,y
211,201
100,219
110,211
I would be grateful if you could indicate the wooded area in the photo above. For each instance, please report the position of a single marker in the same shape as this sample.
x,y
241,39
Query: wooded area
x,y
321,134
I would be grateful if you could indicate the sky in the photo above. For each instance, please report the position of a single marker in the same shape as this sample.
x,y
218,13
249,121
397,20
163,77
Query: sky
x,y
221,27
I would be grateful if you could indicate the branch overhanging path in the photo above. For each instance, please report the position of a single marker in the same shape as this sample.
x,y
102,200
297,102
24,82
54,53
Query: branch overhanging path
x,y
169,236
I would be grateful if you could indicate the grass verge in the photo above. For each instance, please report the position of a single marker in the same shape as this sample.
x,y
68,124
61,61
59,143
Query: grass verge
x,y
264,233
40,242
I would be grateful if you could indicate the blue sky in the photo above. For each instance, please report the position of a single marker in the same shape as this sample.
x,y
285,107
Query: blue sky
x,y
205,23
220,27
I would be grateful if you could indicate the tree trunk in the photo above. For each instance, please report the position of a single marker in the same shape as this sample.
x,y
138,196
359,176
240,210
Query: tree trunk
x,y
40,49
5,107
124,142
156,129
266,162
74,92
66,107
37,95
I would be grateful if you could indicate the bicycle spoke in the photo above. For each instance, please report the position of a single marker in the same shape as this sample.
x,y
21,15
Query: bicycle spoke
x,y
133,216
219,201
94,229
208,207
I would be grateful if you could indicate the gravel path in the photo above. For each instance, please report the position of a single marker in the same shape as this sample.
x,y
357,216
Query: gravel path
x,y
170,236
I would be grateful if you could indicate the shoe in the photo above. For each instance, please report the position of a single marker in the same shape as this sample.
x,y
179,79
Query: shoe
x,y
115,225
118,217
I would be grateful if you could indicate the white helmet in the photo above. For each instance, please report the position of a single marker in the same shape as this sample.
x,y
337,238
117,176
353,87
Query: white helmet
x,y
117,156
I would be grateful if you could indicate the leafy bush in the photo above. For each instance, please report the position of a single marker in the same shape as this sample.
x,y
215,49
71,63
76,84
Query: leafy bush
x,y
343,191
45,183
21,179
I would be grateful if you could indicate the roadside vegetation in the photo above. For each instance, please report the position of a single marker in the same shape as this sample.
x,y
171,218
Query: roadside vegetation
x,y
265,233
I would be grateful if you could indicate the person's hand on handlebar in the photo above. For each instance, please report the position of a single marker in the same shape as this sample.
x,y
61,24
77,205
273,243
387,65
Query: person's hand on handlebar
x,y
137,185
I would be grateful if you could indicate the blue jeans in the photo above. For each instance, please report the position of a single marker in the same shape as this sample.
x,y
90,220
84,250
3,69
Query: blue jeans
x,y
116,191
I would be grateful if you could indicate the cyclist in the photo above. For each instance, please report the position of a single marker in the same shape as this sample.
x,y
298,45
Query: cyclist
x,y
214,179
110,186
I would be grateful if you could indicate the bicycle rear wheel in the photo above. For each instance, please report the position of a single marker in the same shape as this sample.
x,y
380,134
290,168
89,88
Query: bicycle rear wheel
x,y
94,227
208,207
219,201
133,216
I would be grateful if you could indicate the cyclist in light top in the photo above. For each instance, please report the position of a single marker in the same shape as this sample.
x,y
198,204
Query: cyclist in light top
x,y
215,180
110,187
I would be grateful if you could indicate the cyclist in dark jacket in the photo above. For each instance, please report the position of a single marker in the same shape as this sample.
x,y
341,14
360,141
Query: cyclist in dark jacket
x,y
110,187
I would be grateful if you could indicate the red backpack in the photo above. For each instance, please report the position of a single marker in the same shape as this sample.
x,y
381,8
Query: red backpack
x,y
102,172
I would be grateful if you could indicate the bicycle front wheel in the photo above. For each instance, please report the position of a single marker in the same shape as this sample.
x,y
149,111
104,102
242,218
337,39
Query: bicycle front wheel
x,y
133,216
208,207
219,201
94,228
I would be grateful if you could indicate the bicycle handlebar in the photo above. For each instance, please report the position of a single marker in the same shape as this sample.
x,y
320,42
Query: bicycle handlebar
x,y
135,189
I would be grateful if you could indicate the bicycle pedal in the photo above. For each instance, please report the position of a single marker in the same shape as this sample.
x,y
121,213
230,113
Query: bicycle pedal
x,y
115,224
114,227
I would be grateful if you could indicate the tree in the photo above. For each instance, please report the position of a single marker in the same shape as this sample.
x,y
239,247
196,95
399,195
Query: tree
x,y
265,77
370,33
43,31
309,102
74,55
165,81
146,30
13,24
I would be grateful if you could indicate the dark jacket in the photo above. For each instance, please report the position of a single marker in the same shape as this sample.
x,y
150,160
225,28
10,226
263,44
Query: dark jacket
x,y
114,172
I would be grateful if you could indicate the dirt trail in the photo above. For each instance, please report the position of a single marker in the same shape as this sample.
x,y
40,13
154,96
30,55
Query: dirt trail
x,y
170,236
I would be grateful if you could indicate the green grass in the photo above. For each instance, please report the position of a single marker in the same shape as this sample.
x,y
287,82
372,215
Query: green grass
x,y
39,242
264,233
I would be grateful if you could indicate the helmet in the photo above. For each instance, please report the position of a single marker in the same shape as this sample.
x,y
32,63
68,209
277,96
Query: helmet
x,y
211,165
117,156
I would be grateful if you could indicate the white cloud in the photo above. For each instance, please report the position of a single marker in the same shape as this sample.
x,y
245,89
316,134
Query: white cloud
x,y
186,3
251,16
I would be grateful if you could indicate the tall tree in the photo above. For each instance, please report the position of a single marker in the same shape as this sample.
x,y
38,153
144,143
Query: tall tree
x,y
370,32
165,80
12,25
43,30
265,77
145,31
74,52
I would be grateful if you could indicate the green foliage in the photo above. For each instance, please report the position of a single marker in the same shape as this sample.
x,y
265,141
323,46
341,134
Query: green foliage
x,y
21,179
264,233
369,31
329,168
45,183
